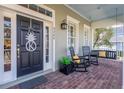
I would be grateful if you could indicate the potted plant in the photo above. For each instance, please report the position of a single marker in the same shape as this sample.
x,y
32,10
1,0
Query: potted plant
x,y
66,66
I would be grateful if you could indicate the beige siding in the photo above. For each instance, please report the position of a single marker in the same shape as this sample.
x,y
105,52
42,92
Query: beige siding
x,y
61,13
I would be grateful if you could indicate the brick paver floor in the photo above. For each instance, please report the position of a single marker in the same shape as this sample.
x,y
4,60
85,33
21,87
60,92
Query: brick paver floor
x,y
107,75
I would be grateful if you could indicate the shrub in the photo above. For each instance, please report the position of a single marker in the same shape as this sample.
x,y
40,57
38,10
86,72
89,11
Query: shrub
x,y
65,60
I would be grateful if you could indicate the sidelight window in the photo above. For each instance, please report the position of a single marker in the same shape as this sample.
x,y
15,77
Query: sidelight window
x,y
47,43
7,44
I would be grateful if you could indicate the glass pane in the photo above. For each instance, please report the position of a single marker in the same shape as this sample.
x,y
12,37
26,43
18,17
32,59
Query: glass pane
x,y
47,51
47,44
33,7
72,42
47,59
24,5
37,8
69,40
72,32
48,13
7,22
71,35
7,33
42,10
7,44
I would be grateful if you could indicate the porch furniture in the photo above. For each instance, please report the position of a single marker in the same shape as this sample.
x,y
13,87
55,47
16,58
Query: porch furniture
x,y
90,56
78,66
106,54
86,54
66,68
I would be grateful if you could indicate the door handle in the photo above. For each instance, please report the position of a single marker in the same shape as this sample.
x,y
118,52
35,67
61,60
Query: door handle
x,y
18,53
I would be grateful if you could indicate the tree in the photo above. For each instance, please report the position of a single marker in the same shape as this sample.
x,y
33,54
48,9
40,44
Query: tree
x,y
102,37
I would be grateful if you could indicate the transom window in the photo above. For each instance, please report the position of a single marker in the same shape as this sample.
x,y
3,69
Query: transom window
x,y
37,9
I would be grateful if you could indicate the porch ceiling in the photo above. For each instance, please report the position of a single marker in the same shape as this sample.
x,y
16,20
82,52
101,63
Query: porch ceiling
x,y
95,12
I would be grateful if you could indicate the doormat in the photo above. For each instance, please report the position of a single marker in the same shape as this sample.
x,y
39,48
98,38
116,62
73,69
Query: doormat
x,y
33,82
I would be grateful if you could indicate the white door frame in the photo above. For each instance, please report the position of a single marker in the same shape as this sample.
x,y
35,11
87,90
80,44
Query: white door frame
x,y
8,75
16,9
48,65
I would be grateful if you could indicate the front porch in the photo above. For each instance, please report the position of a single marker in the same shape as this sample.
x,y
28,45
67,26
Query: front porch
x,y
50,42
107,75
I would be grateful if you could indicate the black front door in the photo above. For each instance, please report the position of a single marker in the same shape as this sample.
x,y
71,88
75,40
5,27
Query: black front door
x,y
29,45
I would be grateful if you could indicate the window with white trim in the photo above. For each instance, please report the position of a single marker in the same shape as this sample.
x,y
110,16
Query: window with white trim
x,y
72,39
87,36
72,34
7,44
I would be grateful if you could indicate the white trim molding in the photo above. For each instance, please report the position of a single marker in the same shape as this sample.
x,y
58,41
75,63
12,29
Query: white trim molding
x,y
87,35
76,23
72,19
20,9
12,10
7,76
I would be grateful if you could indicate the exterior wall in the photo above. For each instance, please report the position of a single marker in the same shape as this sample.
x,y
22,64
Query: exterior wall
x,y
61,13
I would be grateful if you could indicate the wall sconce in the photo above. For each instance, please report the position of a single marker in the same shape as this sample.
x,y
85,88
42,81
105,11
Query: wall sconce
x,y
64,24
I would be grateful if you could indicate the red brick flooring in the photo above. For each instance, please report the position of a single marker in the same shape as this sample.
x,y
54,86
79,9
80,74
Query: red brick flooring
x,y
107,75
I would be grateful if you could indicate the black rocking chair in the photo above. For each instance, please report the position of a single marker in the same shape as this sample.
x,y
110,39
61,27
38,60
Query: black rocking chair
x,y
78,66
90,56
